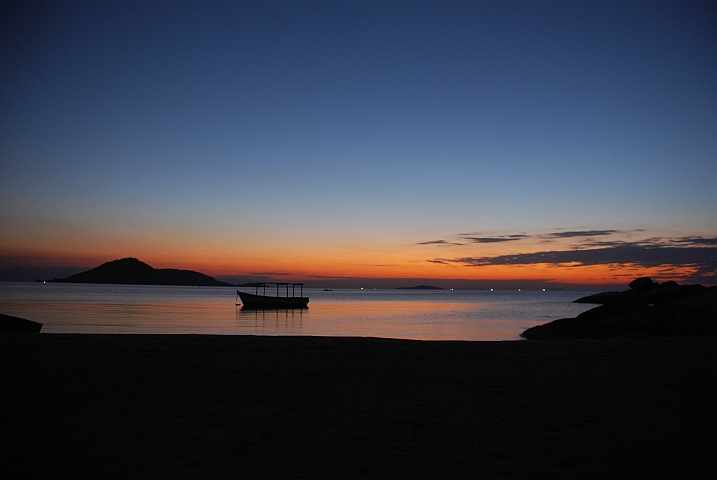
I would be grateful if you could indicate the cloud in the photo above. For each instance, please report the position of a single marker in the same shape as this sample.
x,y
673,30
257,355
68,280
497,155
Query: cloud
x,y
654,242
498,239
472,238
696,241
438,242
697,252
440,261
606,244
582,233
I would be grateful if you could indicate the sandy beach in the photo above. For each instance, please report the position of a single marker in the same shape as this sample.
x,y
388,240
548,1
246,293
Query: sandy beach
x,y
169,406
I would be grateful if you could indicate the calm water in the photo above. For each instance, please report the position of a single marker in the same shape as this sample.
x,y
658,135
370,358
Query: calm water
x,y
411,314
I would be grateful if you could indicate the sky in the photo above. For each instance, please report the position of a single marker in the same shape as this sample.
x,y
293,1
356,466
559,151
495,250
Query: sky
x,y
559,142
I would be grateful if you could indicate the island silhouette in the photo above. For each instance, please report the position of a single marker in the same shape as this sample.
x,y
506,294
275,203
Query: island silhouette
x,y
130,271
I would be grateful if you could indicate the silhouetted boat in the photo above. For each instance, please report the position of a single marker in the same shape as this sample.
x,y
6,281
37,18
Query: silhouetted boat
x,y
328,289
254,300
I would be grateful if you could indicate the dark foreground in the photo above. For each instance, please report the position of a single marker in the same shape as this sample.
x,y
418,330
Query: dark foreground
x,y
207,406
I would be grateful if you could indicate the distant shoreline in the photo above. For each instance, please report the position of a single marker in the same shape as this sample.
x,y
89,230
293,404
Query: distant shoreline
x,y
420,287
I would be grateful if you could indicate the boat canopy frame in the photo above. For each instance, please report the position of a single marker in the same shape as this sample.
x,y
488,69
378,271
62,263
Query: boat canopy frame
x,y
282,284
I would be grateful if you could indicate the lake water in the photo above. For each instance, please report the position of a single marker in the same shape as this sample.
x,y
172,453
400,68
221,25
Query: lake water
x,y
409,314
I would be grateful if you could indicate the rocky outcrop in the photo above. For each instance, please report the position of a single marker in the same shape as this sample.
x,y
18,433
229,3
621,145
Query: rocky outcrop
x,y
644,290
605,297
8,323
647,309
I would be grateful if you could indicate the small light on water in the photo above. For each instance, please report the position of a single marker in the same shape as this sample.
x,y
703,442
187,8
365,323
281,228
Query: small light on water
x,y
491,289
361,288
543,289
518,289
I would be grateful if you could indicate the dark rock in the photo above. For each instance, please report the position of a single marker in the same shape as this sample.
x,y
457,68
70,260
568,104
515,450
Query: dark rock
x,y
642,285
704,302
563,328
669,291
591,327
679,310
654,322
8,323
605,297
617,308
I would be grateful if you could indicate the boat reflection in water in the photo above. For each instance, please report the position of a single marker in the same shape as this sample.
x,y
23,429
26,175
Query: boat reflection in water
x,y
264,301
270,321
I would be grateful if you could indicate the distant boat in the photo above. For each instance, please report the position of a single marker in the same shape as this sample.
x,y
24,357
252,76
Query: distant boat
x,y
328,289
254,300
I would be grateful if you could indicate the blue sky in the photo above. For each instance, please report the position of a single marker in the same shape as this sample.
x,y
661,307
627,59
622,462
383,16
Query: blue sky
x,y
184,133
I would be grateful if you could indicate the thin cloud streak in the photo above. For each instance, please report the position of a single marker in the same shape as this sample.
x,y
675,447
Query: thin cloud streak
x,y
583,233
499,239
440,242
696,241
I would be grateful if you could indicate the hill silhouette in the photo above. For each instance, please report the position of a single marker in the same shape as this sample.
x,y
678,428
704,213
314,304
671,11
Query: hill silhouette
x,y
134,272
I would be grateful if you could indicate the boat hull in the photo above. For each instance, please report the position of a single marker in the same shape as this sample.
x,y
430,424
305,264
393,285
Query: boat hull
x,y
249,300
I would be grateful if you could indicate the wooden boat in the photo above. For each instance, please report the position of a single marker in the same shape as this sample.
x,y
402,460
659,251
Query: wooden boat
x,y
264,301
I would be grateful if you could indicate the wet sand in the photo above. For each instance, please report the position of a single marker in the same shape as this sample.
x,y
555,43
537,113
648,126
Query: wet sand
x,y
306,407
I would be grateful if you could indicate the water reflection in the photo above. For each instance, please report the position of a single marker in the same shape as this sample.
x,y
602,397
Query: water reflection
x,y
457,315
274,321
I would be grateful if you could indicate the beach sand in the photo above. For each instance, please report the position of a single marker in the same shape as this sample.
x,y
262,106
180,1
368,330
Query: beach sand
x,y
305,407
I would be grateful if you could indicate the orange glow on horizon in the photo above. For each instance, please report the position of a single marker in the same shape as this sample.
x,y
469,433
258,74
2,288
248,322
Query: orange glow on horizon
x,y
304,258
318,266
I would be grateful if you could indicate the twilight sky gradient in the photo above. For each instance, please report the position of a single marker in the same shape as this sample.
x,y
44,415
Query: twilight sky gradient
x,y
573,142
